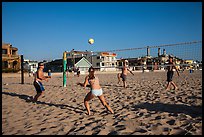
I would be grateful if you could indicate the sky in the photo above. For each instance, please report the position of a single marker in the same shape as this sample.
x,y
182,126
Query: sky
x,y
44,30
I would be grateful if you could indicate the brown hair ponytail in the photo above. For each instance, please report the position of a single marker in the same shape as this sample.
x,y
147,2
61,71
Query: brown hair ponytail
x,y
91,73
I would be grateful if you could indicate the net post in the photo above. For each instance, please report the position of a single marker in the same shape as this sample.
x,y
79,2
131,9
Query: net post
x,y
22,70
64,68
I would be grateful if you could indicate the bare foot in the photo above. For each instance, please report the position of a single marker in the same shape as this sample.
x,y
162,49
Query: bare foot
x,y
112,112
167,89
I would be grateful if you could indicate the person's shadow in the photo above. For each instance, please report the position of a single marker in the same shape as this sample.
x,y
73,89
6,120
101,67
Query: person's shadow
x,y
28,99
193,111
21,96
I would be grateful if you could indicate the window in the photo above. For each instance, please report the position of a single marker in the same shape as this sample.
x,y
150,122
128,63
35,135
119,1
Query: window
x,y
4,51
34,66
102,58
120,63
14,52
102,64
97,64
5,64
98,57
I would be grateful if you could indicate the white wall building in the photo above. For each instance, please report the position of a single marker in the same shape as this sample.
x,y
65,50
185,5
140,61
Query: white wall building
x,y
103,61
32,65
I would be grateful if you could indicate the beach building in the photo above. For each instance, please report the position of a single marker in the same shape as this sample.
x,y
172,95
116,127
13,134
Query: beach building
x,y
10,58
148,62
78,62
102,61
54,66
188,61
161,60
83,64
134,63
105,61
188,64
75,56
30,65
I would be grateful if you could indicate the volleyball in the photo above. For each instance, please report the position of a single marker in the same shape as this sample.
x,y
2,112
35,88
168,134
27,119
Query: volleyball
x,y
91,41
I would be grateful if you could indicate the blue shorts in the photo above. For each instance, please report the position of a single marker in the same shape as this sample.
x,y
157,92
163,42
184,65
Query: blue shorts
x,y
97,92
38,86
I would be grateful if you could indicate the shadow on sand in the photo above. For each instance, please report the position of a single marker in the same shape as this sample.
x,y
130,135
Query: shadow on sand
x,y
28,99
45,84
193,111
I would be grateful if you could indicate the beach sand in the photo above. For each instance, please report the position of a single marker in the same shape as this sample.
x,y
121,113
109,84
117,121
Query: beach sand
x,y
143,108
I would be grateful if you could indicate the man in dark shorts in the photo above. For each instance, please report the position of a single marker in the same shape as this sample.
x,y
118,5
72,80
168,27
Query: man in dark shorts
x,y
38,77
170,73
124,77
124,73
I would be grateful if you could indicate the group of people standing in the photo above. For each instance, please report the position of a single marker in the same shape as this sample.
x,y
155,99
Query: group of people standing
x,y
93,81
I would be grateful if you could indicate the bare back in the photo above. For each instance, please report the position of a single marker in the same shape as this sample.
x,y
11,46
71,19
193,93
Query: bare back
x,y
171,66
124,70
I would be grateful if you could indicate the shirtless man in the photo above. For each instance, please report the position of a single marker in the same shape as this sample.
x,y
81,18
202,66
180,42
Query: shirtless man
x,y
170,73
124,73
38,77
96,90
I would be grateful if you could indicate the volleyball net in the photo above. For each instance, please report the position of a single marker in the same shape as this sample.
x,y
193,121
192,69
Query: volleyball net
x,y
186,55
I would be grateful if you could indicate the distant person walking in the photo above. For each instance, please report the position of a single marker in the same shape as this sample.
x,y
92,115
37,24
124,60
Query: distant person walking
x,y
124,73
170,73
38,78
78,71
49,73
96,90
29,73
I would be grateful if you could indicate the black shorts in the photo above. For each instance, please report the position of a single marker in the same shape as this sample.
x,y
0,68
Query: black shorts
x,y
170,76
38,86
124,77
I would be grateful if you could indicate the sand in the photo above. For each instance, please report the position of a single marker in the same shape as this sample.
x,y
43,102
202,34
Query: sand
x,y
143,108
